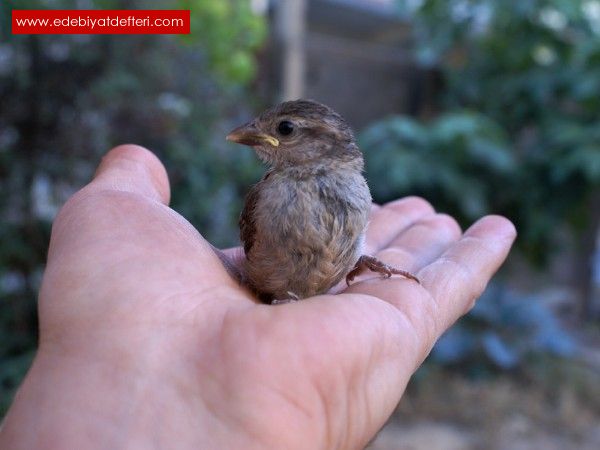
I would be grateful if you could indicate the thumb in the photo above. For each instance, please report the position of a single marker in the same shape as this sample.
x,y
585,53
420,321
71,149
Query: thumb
x,y
133,169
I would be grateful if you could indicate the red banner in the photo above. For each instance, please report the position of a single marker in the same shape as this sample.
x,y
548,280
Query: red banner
x,y
71,21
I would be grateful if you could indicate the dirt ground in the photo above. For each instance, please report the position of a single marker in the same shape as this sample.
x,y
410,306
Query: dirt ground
x,y
552,406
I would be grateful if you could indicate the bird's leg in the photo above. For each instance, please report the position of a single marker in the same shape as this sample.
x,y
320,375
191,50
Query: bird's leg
x,y
292,298
375,265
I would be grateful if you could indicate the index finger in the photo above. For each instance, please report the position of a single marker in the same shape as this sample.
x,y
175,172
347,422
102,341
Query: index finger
x,y
459,276
388,221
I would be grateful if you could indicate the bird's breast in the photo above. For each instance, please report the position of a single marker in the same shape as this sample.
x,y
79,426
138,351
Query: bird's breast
x,y
309,231
322,202
321,217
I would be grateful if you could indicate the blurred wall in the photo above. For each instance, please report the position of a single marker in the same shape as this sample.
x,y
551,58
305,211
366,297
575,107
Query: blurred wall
x,y
352,55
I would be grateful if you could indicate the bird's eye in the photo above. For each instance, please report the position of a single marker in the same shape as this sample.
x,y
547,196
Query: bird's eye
x,y
285,128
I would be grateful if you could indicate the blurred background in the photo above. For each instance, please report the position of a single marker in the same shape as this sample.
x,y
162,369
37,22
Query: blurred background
x,y
480,106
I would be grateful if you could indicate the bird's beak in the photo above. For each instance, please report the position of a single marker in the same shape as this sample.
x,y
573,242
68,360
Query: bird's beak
x,y
250,135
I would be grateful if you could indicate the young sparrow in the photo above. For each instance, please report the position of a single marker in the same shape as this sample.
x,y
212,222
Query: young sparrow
x,y
303,224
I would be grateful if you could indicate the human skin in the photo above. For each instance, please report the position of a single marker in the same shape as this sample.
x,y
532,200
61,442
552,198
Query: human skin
x,y
147,342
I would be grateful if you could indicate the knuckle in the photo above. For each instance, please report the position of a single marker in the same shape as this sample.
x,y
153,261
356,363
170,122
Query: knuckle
x,y
447,223
411,203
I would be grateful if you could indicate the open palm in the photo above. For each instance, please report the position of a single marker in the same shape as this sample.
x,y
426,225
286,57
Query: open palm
x,y
147,341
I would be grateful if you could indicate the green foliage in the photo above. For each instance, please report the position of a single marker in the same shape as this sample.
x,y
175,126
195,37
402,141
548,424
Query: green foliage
x,y
233,32
461,159
530,70
66,100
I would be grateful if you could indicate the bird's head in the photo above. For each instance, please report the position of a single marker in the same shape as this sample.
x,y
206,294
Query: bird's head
x,y
299,132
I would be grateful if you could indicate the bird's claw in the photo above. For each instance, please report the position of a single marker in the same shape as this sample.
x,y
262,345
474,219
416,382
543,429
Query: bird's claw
x,y
291,299
375,265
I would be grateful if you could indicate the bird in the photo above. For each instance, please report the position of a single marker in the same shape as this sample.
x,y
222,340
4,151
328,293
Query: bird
x,y
303,224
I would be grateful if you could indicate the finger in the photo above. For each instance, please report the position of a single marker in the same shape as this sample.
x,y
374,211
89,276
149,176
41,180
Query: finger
x,y
392,218
460,275
421,243
132,168
103,215
126,168
449,285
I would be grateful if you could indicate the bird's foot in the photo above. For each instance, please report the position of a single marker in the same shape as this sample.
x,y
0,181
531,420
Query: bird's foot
x,y
375,265
292,298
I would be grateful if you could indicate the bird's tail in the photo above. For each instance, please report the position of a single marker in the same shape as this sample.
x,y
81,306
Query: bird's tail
x,y
232,263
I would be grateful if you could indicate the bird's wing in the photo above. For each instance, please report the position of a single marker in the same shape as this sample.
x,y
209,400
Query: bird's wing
x,y
247,223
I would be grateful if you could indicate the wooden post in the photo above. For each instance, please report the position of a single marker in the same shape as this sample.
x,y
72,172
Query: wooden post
x,y
291,20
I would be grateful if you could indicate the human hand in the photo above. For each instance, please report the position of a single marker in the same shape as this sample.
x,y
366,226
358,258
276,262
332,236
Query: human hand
x,y
146,342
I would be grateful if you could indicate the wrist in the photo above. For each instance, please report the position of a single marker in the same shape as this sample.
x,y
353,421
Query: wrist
x,y
77,401
87,401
